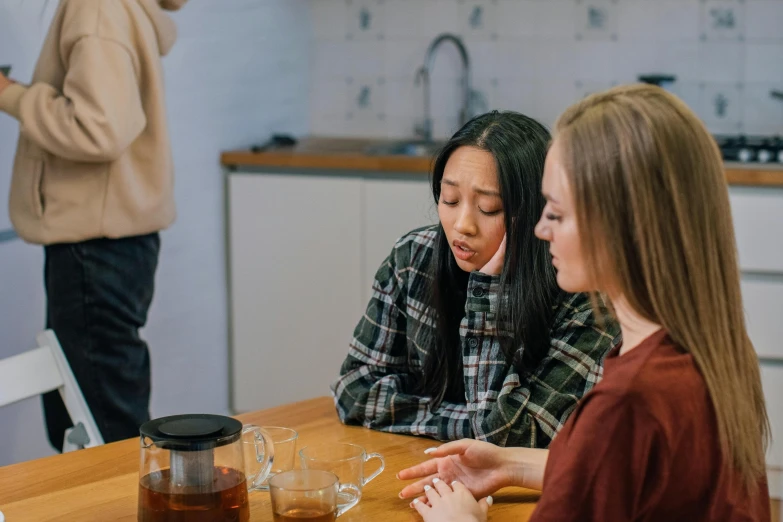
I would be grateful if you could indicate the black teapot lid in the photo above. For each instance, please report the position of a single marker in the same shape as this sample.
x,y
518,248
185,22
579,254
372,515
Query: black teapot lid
x,y
192,432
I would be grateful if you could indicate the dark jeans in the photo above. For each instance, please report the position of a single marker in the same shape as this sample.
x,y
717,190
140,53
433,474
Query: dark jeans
x,y
98,293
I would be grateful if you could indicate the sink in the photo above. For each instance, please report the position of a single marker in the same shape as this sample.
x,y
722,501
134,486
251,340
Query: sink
x,y
418,148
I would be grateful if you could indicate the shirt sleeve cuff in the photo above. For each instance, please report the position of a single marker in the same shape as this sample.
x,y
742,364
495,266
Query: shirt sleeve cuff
x,y
483,292
10,99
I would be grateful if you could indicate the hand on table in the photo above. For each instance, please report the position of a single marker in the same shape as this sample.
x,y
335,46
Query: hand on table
x,y
451,503
481,468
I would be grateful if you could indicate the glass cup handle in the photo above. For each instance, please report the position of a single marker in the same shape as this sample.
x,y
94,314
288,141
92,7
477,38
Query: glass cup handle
x,y
265,456
377,471
353,492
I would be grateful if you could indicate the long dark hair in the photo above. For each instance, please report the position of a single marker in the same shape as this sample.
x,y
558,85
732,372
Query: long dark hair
x,y
528,288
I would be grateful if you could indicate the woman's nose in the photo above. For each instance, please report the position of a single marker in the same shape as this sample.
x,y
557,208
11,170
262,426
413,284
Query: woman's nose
x,y
465,223
542,230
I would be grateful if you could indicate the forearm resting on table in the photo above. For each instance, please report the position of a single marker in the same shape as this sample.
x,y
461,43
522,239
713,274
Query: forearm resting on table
x,y
526,467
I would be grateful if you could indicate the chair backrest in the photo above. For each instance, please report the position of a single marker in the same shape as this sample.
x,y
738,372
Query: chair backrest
x,y
45,369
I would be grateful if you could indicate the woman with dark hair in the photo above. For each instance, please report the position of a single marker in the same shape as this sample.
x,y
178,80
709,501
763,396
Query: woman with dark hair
x,y
467,333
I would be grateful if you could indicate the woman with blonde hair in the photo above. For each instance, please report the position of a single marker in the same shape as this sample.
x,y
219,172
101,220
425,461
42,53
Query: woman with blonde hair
x,y
638,211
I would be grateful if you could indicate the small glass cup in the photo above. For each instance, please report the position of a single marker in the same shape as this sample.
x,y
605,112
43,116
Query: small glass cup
x,y
344,460
309,494
284,440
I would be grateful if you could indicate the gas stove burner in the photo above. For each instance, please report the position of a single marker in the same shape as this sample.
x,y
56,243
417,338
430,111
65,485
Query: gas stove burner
x,y
751,149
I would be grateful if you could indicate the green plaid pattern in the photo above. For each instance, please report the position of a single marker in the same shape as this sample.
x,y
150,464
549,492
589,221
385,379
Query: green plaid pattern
x,y
377,379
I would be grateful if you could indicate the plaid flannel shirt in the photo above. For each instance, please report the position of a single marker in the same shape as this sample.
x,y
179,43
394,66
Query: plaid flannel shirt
x,y
376,387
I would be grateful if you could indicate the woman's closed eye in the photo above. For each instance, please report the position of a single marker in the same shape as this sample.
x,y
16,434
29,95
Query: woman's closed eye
x,y
553,217
485,212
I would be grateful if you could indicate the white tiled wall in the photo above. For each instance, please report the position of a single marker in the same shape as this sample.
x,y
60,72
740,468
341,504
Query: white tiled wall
x,y
538,56
239,72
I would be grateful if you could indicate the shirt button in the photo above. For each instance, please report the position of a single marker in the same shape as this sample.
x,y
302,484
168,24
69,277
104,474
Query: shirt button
x,y
478,292
472,342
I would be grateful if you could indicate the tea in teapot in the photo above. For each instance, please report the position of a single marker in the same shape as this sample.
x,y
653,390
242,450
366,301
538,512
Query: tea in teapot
x,y
193,469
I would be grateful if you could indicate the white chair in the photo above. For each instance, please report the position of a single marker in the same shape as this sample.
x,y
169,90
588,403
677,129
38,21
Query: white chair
x,y
42,370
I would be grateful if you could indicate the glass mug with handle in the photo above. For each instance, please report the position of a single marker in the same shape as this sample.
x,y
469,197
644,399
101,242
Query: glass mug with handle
x,y
284,441
310,495
344,460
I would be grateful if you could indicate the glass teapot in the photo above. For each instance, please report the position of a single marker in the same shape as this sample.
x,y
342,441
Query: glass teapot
x,y
200,468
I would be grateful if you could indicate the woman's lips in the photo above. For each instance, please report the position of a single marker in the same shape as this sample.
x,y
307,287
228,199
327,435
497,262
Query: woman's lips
x,y
462,251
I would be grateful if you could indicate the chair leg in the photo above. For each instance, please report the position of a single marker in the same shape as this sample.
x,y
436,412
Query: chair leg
x,y
71,394
67,444
75,438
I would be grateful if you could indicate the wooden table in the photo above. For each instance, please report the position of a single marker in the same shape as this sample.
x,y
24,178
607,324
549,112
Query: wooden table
x,y
100,484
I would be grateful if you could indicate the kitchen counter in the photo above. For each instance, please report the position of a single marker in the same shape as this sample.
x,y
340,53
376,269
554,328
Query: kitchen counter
x,y
328,153
349,154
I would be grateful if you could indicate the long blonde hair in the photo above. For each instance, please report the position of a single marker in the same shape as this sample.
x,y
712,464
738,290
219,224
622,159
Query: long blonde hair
x,y
653,210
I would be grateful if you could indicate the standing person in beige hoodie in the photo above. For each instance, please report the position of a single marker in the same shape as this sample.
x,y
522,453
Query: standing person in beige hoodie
x,y
93,183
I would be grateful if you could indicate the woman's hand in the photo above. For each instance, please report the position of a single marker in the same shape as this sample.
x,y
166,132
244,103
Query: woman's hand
x,y
4,82
451,504
482,468
495,265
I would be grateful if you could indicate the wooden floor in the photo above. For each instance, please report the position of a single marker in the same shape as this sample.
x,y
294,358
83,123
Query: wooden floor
x,y
776,511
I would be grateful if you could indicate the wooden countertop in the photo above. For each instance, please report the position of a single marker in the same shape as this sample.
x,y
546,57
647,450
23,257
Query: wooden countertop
x,y
101,483
328,153
349,154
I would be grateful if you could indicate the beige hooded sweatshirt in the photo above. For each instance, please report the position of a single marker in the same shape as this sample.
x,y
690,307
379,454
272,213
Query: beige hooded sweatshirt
x,y
94,155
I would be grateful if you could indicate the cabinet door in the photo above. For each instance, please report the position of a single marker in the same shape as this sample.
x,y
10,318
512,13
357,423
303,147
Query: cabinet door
x,y
762,297
758,224
772,380
392,207
295,297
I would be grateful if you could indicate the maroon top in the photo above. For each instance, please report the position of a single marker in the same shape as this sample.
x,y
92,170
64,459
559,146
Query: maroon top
x,y
643,446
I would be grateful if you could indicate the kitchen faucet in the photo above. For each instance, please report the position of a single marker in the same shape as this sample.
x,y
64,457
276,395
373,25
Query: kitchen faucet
x,y
423,77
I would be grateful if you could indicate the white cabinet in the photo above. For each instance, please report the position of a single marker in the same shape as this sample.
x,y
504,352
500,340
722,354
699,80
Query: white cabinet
x,y
762,296
392,207
303,253
758,223
295,256
772,381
